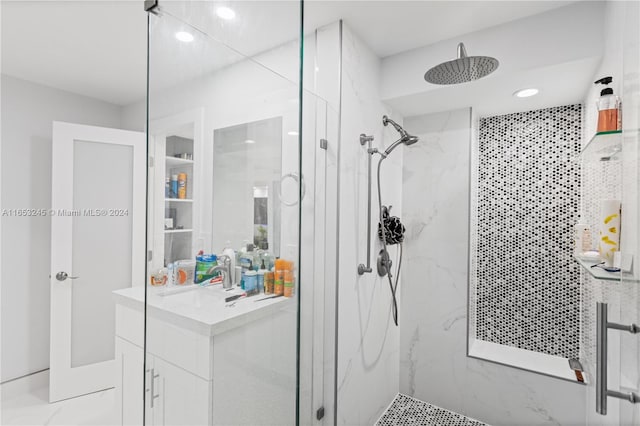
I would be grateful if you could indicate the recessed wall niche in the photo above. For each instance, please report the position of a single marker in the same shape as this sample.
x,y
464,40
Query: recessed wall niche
x,y
525,190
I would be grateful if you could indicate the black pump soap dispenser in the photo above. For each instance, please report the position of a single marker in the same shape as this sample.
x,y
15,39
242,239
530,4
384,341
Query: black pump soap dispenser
x,y
609,114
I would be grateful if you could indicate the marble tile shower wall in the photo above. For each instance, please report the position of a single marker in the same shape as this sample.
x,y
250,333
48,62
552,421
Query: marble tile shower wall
x,y
526,283
434,366
368,349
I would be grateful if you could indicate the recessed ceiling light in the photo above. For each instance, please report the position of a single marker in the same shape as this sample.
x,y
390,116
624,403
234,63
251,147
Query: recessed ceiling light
x,y
293,133
184,36
525,93
249,141
225,13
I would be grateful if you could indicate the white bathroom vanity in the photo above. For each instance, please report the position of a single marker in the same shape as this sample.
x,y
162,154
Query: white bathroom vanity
x,y
208,362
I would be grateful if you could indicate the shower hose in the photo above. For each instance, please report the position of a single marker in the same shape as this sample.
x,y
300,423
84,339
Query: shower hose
x,y
392,286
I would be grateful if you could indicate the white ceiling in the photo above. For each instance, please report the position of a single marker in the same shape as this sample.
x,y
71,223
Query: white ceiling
x,y
390,27
93,48
98,48
557,52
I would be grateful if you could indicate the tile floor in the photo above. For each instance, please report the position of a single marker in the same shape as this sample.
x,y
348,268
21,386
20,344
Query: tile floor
x,y
26,402
408,411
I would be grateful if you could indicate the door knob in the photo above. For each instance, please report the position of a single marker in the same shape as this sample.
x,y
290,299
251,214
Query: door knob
x,y
61,276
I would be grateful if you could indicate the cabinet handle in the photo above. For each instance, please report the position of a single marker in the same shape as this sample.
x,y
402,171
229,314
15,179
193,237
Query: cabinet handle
x,y
153,376
602,392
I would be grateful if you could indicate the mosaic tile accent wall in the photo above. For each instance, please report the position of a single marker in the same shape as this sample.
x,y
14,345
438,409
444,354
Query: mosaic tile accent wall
x,y
524,281
408,411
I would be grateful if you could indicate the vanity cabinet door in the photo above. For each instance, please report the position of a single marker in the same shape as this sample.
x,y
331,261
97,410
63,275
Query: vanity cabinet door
x,y
129,382
184,399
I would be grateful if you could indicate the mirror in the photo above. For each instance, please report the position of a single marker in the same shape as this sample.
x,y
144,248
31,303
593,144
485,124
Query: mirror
x,y
247,164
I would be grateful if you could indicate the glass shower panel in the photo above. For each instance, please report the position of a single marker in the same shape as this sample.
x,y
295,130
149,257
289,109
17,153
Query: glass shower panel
x,y
224,218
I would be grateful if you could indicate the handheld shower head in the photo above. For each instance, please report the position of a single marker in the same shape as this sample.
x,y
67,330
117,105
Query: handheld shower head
x,y
405,137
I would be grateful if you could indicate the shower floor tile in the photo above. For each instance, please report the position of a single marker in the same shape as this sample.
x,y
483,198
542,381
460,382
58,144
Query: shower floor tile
x,y
408,411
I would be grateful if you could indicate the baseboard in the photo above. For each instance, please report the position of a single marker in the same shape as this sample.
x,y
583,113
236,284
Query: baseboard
x,y
24,384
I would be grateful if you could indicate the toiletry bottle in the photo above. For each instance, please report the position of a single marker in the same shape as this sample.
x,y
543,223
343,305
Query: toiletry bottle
x,y
267,259
174,186
182,186
251,282
582,239
608,106
268,282
167,187
170,277
261,272
278,279
288,279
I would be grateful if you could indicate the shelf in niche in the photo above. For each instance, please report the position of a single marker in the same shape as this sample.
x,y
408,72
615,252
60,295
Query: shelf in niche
x,y
603,146
175,161
178,200
601,274
536,362
177,231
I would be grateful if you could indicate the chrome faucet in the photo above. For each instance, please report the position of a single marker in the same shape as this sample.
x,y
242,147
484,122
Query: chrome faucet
x,y
225,268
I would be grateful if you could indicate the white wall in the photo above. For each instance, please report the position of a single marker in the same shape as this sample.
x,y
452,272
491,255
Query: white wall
x,y
28,111
368,350
434,366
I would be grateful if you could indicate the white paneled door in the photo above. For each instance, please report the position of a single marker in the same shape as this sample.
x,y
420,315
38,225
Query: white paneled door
x,y
97,246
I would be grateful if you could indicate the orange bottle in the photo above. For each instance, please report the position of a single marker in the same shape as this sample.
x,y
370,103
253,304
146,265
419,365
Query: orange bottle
x,y
608,108
278,279
288,279
182,186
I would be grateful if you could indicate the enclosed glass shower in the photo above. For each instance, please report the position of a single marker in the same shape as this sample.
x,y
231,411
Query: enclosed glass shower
x,y
238,204
255,310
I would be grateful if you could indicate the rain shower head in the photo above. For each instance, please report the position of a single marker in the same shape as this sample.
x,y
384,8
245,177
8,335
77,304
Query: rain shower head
x,y
405,138
462,70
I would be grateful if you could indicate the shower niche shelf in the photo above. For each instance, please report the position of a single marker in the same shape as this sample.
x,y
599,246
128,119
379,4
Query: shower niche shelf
x,y
603,146
600,274
536,362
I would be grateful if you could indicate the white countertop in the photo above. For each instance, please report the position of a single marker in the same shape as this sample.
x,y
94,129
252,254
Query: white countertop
x,y
202,309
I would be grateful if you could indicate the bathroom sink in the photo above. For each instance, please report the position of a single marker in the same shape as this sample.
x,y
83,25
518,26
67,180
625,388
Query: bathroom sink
x,y
192,295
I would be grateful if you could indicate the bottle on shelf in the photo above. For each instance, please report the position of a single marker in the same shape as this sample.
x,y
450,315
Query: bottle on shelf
x,y
174,186
182,186
609,117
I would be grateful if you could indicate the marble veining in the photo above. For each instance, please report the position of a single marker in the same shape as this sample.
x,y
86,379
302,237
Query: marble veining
x,y
368,341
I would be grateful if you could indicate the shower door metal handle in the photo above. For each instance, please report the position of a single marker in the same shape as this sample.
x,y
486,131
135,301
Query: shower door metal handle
x,y
602,327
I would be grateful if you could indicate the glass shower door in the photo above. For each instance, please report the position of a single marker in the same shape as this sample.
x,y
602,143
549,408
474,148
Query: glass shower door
x,y
224,187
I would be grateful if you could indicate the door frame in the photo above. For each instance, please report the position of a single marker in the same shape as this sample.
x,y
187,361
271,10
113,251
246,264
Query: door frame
x,y
65,381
